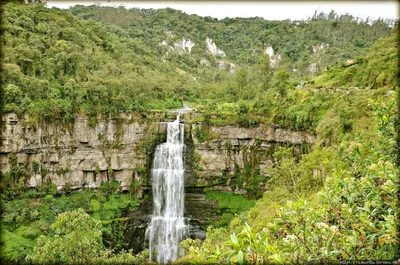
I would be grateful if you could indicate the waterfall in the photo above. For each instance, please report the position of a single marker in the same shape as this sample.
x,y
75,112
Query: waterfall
x,y
167,228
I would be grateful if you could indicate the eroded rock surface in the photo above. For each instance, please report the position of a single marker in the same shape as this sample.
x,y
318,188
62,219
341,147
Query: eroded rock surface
x,y
81,155
234,146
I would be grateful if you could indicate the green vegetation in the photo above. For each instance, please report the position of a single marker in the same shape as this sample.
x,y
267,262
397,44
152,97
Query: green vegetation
x,y
337,202
230,205
242,39
102,61
76,239
56,66
377,68
352,217
30,215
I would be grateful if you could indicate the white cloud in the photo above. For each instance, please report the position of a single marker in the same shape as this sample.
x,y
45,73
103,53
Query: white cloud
x,y
267,10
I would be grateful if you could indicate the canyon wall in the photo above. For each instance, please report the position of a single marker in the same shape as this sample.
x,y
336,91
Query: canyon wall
x,y
80,155
230,149
84,155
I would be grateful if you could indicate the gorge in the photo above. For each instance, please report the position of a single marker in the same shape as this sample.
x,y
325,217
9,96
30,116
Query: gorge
x,y
83,156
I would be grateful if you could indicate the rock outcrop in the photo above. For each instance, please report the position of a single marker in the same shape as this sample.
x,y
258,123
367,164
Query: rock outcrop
x,y
231,147
184,45
212,47
274,59
226,65
80,155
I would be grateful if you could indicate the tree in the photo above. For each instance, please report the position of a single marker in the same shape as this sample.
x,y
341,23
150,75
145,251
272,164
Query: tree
x,y
241,81
266,71
75,239
282,82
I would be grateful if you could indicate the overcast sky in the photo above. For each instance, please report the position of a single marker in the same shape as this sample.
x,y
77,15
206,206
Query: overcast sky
x,y
294,10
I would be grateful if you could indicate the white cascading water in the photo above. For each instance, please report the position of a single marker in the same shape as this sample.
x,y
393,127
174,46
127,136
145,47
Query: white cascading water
x,y
167,227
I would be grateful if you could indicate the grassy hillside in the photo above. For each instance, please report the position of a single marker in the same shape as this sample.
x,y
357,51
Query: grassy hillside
x,y
378,67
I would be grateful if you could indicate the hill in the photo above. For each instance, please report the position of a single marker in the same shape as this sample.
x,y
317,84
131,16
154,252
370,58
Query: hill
x,y
104,61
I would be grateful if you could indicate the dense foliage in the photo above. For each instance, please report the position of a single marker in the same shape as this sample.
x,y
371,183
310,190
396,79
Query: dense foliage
x,y
76,239
229,205
353,217
100,61
336,202
377,68
244,39
56,66
30,214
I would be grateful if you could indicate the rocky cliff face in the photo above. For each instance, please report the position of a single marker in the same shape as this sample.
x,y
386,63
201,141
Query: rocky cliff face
x,y
80,155
232,148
